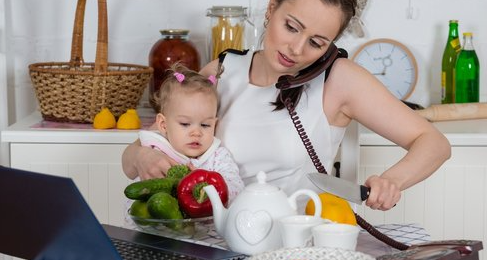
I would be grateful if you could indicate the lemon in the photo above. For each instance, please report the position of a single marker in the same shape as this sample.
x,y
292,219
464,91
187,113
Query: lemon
x,y
139,209
129,120
334,208
104,119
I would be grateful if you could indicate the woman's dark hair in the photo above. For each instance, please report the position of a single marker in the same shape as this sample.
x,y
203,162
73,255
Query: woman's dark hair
x,y
294,94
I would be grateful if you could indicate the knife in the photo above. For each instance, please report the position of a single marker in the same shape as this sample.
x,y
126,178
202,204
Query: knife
x,y
340,187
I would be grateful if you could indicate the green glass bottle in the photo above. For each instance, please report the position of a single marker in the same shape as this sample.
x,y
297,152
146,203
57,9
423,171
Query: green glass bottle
x,y
448,63
467,72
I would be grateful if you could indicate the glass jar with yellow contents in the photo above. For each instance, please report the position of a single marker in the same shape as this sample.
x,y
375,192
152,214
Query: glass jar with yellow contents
x,y
227,29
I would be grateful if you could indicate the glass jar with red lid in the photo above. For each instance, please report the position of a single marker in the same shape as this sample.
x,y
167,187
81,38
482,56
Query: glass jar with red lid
x,y
174,46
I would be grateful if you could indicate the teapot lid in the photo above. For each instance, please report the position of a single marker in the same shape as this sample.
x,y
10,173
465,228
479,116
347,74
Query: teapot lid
x,y
261,184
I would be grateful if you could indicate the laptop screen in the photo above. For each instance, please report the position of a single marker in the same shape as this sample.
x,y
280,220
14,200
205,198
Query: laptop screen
x,y
46,217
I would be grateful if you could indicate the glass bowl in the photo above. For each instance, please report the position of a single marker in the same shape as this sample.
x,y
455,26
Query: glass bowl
x,y
176,228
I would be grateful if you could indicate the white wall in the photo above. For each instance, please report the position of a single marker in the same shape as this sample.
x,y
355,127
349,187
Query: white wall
x,y
3,88
39,31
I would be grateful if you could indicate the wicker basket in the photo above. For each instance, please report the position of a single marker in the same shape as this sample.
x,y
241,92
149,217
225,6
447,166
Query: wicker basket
x,y
75,91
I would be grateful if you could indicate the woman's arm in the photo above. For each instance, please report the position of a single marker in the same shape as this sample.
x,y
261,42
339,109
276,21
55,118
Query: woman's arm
x,y
145,162
360,96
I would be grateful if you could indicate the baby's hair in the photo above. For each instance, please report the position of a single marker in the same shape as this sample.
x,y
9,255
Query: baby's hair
x,y
179,76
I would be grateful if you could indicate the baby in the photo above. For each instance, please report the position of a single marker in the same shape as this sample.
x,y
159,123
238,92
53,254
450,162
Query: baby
x,y
186,123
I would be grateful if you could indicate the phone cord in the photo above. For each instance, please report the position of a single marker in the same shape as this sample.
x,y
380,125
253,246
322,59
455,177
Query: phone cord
x,y
321,169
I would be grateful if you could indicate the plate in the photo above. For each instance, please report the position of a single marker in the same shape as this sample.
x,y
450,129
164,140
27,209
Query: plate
x,y
312,253
176,228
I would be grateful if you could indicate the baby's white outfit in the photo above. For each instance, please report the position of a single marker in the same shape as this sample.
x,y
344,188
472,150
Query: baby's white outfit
x,y
217,158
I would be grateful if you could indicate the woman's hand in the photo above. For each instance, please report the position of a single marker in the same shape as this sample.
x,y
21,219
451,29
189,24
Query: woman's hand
x,y
145,162
384,194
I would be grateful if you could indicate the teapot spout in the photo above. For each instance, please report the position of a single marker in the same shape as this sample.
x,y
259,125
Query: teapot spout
x,y
219,211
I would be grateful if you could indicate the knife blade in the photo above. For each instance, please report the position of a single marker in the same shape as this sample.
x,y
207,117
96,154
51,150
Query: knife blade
x,y
342,188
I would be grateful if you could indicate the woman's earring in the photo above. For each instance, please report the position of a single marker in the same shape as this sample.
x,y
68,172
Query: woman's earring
x,y
266,22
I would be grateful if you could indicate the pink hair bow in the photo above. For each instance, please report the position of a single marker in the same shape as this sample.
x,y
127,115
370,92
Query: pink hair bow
x,y
212,79
179,77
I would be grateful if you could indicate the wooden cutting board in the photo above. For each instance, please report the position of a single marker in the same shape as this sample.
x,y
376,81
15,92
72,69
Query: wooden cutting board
x,y
450,112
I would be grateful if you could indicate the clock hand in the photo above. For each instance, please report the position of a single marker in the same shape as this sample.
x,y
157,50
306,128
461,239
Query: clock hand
x,y
386,62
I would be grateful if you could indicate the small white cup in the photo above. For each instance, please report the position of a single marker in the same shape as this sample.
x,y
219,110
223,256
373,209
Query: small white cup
x,y
335,235
296,229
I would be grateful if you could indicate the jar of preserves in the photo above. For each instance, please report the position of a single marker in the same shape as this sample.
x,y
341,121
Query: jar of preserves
x,y
174,46
226,30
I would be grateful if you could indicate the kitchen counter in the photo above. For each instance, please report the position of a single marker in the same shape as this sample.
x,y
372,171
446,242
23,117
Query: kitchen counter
x,y
33,129
459,133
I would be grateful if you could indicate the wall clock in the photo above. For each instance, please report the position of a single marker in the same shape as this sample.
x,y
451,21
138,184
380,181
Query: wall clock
x,y
392,63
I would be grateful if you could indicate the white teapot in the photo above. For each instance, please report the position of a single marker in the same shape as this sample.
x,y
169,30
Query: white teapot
x,y
250,225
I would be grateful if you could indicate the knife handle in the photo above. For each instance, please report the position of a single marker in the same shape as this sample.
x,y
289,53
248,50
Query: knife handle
x,y
364,192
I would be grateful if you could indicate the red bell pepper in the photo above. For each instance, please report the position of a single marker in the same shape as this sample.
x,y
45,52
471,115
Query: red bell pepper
x,y
192,197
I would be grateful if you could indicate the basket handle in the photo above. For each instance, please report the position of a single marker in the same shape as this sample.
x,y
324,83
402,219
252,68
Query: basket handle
x,y
101,59
77,40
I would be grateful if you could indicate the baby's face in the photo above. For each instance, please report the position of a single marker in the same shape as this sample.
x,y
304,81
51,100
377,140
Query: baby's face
x,y
190,121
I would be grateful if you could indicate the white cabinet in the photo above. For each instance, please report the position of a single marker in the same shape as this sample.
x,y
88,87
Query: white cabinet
x,y
452,203
92,158
95,168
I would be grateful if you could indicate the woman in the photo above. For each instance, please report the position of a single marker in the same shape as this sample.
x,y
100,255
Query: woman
x,y
258,131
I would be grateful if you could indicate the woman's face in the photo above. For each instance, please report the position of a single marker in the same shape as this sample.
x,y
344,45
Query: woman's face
x,y
298,33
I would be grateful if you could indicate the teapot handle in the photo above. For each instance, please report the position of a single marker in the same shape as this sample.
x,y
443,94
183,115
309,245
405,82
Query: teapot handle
x,y
316,199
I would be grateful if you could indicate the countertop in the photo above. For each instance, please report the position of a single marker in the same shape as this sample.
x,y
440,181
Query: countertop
x,y
32,129
459,133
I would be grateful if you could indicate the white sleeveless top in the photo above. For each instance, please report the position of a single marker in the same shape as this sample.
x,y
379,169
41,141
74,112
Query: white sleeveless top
x,y
261,139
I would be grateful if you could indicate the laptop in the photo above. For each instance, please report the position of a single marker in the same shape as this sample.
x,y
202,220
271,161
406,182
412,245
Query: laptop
x,y
46,217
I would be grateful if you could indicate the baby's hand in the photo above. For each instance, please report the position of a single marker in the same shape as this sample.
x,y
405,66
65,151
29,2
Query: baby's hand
x,y
191,166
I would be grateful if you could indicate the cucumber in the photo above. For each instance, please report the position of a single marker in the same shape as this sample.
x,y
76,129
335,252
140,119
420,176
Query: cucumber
x,y
164,206
140,210
143,190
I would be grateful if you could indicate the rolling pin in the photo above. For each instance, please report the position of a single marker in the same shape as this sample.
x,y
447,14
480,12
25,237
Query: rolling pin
x,y
447,112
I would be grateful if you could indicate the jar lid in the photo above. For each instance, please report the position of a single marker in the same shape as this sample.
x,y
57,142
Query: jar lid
x,y
174,32
227,11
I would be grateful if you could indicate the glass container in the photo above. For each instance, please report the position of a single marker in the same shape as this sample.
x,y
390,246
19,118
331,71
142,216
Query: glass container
x,y
227,29
173,46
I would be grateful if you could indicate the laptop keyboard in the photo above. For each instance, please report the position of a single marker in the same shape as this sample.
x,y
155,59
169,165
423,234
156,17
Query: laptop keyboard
x,y
129,251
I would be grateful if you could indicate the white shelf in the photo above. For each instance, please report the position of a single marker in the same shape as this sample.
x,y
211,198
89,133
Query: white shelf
x,y
22,132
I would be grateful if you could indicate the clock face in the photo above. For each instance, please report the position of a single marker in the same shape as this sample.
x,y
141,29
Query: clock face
x,y
392,63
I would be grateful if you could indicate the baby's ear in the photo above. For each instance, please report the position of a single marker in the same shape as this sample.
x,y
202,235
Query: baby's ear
x,y
161,123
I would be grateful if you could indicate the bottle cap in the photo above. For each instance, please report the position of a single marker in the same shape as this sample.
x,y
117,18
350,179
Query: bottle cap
x,y
453,21
467,34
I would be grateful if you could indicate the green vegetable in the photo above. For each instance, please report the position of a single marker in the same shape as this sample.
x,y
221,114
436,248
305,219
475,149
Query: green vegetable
x,y
164,206
139,209
143,190
178,171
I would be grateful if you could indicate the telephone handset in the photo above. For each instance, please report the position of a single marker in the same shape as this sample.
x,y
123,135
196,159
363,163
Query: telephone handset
x,y
307,74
